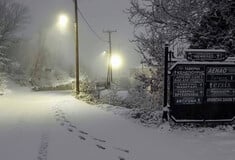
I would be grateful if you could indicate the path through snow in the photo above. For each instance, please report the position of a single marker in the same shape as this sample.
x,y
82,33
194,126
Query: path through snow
x,y
55,126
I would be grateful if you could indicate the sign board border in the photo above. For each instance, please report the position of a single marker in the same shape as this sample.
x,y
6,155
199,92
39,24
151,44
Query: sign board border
x,y
197,63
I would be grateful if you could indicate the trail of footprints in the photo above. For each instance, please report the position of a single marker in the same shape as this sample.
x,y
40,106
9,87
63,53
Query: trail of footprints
x,y
42,153
82,135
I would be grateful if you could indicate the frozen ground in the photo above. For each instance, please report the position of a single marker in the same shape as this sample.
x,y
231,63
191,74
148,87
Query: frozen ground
x,y
55,126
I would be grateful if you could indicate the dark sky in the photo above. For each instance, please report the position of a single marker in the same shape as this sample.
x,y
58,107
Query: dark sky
x,y
102,15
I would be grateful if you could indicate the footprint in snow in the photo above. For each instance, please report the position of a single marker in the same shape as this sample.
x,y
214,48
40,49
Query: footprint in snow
x,y
67,121
121,149
100,147
82,132
82,138
121,158
99,140
72,126
70,129
57,119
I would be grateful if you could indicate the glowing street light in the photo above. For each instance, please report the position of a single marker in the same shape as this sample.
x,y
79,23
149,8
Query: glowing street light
x,y
116,61
104,53
62,22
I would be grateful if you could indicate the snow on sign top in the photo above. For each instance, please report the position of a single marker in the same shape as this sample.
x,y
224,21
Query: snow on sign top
x,y
204,50
198,63
206,55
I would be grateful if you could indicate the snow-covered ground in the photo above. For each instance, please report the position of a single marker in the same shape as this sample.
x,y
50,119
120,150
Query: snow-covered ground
x,y
55,126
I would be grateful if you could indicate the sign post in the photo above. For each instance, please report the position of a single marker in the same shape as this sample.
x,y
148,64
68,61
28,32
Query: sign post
x,y
165,75
165,106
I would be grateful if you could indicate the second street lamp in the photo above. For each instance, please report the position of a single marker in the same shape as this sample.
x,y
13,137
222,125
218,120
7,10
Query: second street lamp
x,y
116,61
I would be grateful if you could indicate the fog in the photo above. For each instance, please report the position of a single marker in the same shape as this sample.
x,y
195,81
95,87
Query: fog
x,y
101,15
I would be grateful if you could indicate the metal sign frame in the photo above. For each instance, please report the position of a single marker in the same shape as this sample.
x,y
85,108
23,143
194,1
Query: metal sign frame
x,y
206,55
214,101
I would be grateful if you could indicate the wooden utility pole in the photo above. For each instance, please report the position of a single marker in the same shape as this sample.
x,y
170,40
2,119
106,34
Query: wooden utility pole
x,y
77,90
110,70
36,72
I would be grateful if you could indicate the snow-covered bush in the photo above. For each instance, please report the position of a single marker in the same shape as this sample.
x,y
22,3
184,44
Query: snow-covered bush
x,y
146,116
111,97
88,92
145,106
2,83
135,98
17,74
4,61
139,98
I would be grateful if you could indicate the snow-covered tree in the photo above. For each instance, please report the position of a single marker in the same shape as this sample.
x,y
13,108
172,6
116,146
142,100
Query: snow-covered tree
x,y
157,22
12,17
217,27
3,59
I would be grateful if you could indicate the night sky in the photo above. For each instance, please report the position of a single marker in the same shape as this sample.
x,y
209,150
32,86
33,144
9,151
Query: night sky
x,y
101,15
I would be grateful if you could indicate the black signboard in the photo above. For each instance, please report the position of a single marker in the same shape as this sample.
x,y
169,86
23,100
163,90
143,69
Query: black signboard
x,y
205,55
202,92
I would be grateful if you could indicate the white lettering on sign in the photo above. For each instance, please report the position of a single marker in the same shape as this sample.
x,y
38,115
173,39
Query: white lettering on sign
x,y
215,70
192,68
220,85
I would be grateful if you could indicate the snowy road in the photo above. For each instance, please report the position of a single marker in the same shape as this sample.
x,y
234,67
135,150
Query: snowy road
x,y
55,126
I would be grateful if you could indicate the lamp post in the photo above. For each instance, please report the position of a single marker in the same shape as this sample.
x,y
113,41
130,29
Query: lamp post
x,y
62,25
114,62
76,47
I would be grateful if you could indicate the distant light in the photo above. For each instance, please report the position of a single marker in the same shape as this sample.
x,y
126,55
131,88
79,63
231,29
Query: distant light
x,y
116,61
104,53
62,22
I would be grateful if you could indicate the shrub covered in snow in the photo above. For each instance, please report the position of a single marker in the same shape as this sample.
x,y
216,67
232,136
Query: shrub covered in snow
x,y
3,59
139,98
2,83
111,97
88,92
146,116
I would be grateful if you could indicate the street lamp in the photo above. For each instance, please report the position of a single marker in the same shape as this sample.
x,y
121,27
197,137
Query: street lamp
x,y
116,61
104,53
62,22
62,25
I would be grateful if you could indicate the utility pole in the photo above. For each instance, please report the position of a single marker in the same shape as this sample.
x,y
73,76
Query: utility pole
x,y
110,69
36,72
76,47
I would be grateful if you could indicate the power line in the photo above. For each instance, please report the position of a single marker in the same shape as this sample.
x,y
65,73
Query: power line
x,y
89,26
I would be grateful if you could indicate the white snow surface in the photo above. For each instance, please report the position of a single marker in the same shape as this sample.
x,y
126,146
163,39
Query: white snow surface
x,y
56,126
